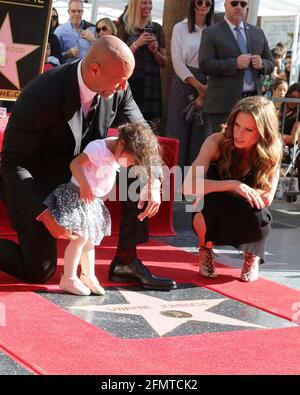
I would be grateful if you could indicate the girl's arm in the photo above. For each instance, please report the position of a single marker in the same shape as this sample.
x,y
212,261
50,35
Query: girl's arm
x,y
76,166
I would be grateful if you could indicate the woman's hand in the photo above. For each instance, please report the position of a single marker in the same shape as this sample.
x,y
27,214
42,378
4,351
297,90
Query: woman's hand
x,y
153,45
199,87
199,101
248,193
144,39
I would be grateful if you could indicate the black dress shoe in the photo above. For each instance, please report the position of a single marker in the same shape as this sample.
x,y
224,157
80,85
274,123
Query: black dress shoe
x,y
137,272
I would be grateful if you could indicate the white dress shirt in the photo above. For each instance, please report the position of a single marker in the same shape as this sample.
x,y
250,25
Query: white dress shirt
x,y
86,98
185,49
86,95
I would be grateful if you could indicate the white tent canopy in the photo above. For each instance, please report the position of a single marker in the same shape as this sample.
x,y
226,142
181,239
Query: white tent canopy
x,y
270,7
113,8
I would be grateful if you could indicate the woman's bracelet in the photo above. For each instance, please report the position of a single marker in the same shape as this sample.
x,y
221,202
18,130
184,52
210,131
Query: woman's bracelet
x,y
134,46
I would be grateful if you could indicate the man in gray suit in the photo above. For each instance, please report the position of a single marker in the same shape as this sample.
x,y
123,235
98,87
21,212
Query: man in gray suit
x,y
234,55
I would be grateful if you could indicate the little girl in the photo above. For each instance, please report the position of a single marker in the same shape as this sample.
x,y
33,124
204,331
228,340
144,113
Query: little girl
x,y
279,90
78,206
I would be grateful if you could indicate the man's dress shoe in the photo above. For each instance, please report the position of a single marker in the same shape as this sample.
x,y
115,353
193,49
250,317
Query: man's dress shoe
x,y
137,272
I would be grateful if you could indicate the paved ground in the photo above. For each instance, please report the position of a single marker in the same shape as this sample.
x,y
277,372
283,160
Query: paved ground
x,y
282,255
282,266
106,8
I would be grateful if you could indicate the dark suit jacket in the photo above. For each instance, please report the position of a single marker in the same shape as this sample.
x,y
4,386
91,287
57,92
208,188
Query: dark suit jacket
x,y
44,134
218,54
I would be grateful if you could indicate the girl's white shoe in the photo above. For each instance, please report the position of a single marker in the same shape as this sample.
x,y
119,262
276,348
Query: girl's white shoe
x,y
92,283
74,286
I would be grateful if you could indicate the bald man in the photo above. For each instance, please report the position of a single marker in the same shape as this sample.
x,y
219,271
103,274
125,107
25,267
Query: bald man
x,y
47,128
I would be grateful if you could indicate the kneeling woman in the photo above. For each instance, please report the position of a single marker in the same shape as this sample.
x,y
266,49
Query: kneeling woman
x,y
241,171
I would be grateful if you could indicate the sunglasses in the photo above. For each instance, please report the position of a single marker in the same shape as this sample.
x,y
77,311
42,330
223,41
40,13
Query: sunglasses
x,y
201,2
243,4
103,28
54,17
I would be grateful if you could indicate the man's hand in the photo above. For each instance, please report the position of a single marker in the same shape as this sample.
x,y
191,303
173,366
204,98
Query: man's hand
x,y
256,62
243,61
56,230
73,52
87,35
153,198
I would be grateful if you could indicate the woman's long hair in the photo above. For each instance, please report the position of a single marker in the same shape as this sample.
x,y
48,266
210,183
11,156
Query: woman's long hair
x,y
267,152
57,21
132,16
192,18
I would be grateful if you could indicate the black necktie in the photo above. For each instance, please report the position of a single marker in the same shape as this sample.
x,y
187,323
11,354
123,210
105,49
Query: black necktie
x,y
88,121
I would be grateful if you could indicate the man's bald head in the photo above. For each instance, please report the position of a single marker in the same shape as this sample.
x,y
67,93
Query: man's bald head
x,y
110,49
108,59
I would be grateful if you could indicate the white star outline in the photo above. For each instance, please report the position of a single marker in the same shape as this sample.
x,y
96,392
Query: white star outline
x,y
151,309
10,71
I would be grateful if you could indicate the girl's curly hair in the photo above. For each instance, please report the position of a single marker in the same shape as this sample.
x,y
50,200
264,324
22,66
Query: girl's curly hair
x,y
140,141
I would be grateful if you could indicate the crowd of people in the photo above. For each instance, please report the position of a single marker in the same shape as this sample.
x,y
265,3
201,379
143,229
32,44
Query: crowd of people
x,y
58,163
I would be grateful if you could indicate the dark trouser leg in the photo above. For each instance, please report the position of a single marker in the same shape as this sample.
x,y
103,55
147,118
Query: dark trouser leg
x,y
132,230
125,266
216,120
34,258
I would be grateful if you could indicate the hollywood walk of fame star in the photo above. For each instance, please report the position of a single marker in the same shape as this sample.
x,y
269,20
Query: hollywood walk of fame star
x,y
14,53
164,316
